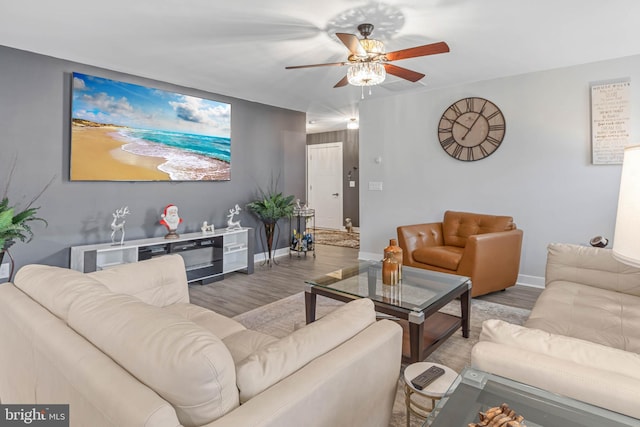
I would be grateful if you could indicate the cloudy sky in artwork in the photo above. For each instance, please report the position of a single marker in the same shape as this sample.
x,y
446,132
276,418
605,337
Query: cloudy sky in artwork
x,y
108,101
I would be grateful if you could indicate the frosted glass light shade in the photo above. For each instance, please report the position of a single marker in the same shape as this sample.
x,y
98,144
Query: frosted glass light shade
x,y
626,241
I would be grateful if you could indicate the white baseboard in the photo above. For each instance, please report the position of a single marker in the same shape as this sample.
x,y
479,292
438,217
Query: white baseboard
x,y
263,256
533,281
523,279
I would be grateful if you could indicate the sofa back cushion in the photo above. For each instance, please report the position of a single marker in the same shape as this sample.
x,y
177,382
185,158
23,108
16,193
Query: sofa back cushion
x,y
590,266
280,359
458,226
185,364
157,281
55,288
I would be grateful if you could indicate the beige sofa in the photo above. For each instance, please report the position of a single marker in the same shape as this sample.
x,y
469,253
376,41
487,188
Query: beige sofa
x,y
582,339
124,347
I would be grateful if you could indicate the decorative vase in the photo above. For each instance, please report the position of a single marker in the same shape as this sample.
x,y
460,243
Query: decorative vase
x,y
390,269
396,253
269,231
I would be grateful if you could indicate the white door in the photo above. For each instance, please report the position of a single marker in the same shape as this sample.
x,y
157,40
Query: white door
x,y
324,183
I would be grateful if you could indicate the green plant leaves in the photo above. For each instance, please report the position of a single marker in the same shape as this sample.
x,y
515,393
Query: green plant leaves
x,y
272,207
15,226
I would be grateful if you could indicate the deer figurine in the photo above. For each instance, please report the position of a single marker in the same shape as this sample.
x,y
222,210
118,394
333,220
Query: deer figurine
x,y
231,224
115,227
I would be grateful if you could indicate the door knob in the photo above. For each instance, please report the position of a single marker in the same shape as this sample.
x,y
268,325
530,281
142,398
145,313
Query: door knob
x,y
335,194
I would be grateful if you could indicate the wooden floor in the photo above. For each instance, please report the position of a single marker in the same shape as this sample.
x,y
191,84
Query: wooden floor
x,y
239,292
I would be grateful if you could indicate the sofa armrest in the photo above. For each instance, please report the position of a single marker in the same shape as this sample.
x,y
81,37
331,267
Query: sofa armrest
x,y
492,260
583,370
614,391
412,237
357,381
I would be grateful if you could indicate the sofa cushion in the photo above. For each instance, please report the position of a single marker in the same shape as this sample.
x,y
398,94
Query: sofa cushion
x,y
439,256
55,288
458,226
571,349
157,281
221,326
590,266
276,361
244,343
185,364
593,314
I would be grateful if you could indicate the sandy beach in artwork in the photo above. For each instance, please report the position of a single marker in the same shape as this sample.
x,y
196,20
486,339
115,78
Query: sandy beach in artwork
x,y
100,154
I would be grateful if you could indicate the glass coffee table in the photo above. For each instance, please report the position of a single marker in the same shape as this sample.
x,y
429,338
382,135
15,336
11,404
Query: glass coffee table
x,y
474,391
414,302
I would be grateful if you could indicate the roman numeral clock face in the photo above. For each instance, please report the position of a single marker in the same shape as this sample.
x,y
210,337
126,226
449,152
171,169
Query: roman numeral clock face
x,y
471,129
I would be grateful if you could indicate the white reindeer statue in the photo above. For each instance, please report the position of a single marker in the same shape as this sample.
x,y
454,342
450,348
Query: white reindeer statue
x,y
115,227
231,224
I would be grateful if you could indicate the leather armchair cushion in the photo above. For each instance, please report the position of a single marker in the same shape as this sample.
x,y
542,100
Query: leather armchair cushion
x,y
458,226
439,256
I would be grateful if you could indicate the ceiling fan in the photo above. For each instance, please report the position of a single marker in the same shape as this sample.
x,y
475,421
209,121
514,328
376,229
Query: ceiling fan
x,y
369,63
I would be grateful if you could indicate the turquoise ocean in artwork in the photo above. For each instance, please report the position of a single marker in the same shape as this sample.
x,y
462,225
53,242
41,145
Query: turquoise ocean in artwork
x,y
187,156
205,145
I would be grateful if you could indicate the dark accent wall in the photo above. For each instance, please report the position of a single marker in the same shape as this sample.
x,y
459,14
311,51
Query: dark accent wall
x,y
267,144
350,163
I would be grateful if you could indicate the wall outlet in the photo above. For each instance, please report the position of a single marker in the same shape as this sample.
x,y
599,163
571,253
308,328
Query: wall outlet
x,y
4,271
352,184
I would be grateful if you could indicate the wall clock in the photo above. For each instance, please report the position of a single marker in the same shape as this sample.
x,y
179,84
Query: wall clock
x,y
471,129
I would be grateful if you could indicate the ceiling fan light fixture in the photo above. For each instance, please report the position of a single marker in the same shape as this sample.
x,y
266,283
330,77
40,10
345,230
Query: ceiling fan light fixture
x,y
373,47
366,74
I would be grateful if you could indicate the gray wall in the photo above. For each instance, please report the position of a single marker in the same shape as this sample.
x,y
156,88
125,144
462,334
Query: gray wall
x,y
541,174
350,163
268,143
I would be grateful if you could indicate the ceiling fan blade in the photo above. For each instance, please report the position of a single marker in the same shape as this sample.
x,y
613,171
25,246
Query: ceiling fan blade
x,y
412,76
330,64
412,52
352,43
342,82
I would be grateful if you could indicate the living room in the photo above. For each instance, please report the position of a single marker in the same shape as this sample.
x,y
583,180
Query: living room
x,y
542,174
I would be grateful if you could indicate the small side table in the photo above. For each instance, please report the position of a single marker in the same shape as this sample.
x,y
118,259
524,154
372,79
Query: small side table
x,y
433,391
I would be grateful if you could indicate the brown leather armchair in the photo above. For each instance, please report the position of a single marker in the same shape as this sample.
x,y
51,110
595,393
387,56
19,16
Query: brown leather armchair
x,y
483,247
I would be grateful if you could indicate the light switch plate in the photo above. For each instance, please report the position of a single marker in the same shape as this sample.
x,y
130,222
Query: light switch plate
x,y
352,184
375,186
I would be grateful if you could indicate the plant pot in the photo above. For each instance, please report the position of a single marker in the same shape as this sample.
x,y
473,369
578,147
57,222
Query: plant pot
x,y
269,230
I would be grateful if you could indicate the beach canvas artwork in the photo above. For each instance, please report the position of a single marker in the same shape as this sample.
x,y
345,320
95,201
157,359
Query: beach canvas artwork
x,y
126,132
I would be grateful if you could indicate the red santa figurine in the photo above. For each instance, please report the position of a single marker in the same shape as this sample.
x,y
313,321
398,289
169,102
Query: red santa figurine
x,y
171,220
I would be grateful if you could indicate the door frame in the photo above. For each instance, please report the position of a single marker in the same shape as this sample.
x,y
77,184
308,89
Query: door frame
x,y
339,144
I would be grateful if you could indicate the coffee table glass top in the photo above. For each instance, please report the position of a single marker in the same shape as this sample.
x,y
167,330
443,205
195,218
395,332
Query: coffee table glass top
x,y
418,289
475,391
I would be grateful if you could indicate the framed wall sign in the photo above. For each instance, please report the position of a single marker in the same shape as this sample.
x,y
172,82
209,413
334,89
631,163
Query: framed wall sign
x,y
610,121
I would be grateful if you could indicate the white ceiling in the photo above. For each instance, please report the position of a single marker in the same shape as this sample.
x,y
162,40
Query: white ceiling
x,y
240,48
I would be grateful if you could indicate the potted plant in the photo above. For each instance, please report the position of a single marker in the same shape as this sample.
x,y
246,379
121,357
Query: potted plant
x,y
269,209
15,223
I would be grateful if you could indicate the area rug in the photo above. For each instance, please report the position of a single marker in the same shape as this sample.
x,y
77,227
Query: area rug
x,y
282,317
337,238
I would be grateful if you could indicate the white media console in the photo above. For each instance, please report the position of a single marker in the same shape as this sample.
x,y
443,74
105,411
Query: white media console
x,y
207,256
